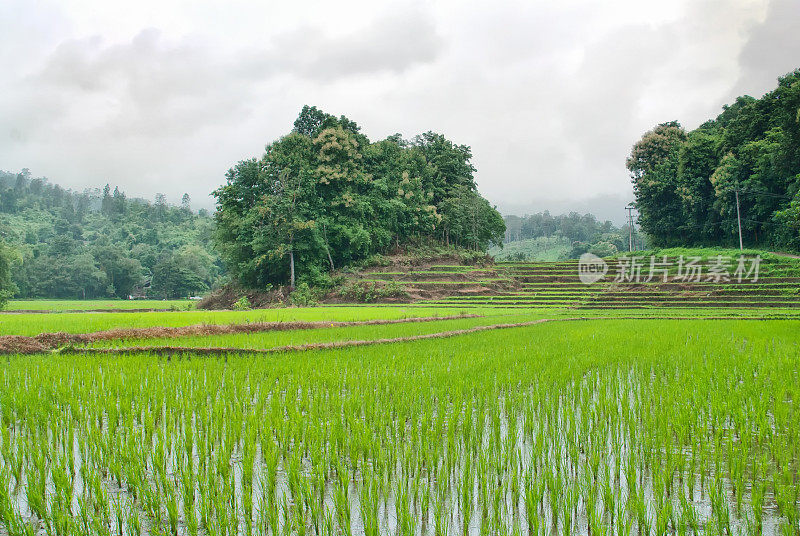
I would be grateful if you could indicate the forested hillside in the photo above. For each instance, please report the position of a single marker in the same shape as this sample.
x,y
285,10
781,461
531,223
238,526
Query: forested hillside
x,y
686,183
323,197
99,243
542,236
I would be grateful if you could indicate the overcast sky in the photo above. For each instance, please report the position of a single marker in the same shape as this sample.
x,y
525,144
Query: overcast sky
x,y
164,96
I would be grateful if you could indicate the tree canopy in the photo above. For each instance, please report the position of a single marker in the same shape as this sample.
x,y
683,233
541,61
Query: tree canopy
x,y
686,183
7,286
323,197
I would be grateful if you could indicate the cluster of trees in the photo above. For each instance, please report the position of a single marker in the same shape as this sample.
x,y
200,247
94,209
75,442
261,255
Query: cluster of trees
x,y
583,231
687,183
324,196
99,243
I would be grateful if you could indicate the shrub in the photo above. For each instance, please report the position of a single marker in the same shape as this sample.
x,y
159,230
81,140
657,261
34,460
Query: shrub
x,y
371,291
304,296
242,304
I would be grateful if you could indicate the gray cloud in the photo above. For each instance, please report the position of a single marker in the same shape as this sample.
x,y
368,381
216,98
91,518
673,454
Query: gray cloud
x,y
772,49
393,43
551,96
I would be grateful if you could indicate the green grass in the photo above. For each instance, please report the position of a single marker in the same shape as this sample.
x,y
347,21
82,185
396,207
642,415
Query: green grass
x,y
556,428
92,305
34,323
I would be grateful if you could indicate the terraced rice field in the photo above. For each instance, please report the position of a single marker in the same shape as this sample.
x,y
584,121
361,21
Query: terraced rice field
x,y
557,284
526,414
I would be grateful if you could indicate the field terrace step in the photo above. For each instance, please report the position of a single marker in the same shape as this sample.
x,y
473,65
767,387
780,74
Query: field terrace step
x,y
683,305
557,284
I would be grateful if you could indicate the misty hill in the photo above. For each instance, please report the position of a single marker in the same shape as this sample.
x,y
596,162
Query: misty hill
x,y
544,237
99,243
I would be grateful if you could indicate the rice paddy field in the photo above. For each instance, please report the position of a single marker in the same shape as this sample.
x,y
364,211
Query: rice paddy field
x,y
401,420
48,306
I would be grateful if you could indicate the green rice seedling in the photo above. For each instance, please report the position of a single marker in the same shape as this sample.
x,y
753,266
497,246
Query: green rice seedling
x,y
273,516
425,500
312,505
328,523
787,529
119,509
151,499
568,506
15,457
342,500
288,516
441,525
554,487
688,515
609,498
719,506
787,504
663,515
7,513
369,508
406,518
623,522
190,519
642,515
171,503
20,527
84,521
37,487
262,519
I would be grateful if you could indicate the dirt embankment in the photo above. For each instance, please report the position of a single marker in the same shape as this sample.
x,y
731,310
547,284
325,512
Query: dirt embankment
x,y
17,344
225,297
351,286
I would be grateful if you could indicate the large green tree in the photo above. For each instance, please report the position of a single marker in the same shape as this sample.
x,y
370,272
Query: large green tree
x,y
324,196
687,184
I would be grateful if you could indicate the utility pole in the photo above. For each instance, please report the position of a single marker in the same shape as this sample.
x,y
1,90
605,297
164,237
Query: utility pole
x,y
739,218
629,208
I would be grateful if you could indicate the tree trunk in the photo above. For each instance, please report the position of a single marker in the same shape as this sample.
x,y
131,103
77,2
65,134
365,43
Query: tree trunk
x,y
330,259
327,247
291,270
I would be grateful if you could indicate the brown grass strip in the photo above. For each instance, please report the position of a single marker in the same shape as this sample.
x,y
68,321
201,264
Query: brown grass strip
x,y
49,341
176,350
17,344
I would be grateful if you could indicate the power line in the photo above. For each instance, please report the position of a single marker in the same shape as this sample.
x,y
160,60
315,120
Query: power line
x,y
768,194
